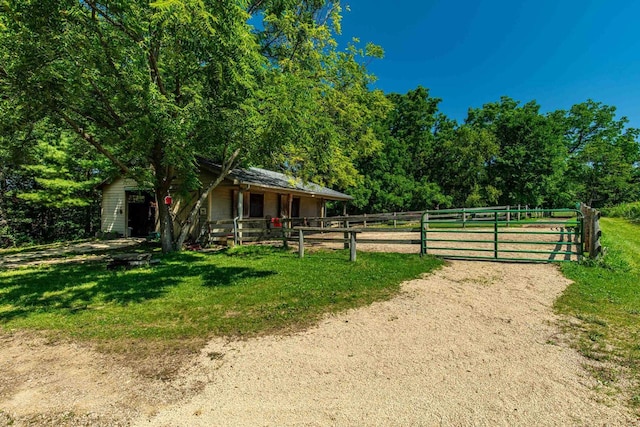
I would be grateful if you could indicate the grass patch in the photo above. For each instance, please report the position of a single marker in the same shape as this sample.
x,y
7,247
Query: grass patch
x,y
190,296
605,297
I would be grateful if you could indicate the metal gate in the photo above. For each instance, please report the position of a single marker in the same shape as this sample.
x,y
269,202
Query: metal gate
x,y
529,235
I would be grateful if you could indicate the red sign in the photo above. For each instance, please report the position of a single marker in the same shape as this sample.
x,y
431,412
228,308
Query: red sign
x,y
168,200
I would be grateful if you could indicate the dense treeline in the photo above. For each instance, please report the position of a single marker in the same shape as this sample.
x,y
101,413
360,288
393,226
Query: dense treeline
x,y
94,89
505,153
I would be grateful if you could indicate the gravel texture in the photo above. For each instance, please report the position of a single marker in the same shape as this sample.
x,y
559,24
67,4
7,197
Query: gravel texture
x,y
474,344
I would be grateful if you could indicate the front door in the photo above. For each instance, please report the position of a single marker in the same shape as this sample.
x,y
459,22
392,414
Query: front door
x,y
141,213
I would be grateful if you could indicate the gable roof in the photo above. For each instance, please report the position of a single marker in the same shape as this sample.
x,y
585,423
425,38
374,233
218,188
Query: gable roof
x,y
274,180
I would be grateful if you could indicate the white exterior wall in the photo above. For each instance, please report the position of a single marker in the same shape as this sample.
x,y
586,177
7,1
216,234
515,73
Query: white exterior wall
x,y
114,206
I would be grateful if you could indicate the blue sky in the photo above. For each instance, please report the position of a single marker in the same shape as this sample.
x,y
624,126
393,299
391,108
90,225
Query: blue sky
x,y
468,53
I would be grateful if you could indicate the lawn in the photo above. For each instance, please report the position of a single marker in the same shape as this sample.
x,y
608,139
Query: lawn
x,y
243,292
606,299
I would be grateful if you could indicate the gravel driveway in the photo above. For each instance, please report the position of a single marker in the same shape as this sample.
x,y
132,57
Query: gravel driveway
x,y
475,344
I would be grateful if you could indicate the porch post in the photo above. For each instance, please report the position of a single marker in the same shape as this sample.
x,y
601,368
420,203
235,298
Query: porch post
x,y
240,213
290,206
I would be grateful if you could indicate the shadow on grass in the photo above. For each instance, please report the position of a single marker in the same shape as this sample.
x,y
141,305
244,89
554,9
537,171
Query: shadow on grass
x,y
71,289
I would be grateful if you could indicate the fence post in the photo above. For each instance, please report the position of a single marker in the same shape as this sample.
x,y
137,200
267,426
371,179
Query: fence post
x,y
365,221
495,235
464,218
591,230
236,233
508,215
395,221
346,235
352,254
300,244
285,239
586,227
426,228
596,247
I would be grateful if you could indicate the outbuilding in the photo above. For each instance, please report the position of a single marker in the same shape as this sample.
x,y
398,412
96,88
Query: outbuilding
x,y
129,209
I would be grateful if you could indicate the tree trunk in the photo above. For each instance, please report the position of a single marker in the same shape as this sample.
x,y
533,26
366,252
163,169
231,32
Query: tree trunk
x,y
226,168
162,185
166,222
184,231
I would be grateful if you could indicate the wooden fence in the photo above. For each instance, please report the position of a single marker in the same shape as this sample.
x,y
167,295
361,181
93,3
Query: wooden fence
x,y
591,230
395,227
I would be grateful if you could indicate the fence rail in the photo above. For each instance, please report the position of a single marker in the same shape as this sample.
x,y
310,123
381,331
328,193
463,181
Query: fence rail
x,y
244,230
500,232
534,235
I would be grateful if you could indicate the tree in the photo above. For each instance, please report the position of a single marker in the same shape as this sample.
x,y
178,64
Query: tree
x,y
400,176
461,160
603,154
531,155
153,85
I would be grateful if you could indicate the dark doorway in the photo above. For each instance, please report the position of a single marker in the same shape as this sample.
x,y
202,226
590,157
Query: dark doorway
x,y
295,207
141,213
256,205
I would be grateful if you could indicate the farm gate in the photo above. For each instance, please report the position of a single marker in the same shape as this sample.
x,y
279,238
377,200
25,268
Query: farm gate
x,y
530,235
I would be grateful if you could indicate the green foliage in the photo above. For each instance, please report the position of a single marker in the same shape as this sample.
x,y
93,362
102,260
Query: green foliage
x,y
244,291
504,154
629,211
399,176
603,155
530,156
153,85
605,297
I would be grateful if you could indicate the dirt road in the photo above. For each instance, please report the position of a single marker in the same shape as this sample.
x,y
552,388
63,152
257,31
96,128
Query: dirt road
x,y
473,344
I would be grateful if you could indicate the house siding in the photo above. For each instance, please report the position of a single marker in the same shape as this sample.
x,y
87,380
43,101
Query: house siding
x,y
221,203
271,204
309,207
114,207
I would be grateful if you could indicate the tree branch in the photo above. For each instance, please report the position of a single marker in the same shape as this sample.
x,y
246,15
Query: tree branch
x,y
135,37
91,140
155,71
105,101
253,8
107,55
227,165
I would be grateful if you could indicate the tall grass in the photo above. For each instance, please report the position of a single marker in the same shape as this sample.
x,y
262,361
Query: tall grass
x,y
629,211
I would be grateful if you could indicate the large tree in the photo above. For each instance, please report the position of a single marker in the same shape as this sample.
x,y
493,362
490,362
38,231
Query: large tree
x,y
400,176
531,155
604,154
153,85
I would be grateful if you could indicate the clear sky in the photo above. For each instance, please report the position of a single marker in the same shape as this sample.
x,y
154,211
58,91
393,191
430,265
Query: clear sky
x,y
557,52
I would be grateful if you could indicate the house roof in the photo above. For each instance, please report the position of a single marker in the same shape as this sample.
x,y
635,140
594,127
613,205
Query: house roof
x,y
275,180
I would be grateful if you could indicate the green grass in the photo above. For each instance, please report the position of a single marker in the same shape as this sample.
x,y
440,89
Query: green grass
x,y
241,292
605,296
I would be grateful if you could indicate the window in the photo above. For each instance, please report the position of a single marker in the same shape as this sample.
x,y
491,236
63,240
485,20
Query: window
x,y
256,205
